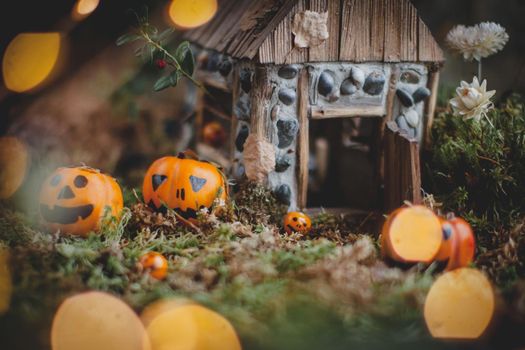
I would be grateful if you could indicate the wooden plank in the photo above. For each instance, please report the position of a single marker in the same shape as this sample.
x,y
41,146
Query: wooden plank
x,y
329,50
389,107
392,46
377,30
348,111
303,145
261,93
402,168
235,118
430,106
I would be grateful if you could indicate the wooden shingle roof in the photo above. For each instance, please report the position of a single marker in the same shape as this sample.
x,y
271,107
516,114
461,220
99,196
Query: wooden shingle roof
x,y
360,31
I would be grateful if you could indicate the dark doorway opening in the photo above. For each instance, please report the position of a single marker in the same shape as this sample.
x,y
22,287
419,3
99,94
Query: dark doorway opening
x,y
344,163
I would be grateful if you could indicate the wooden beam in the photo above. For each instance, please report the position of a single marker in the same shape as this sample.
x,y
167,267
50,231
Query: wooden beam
x,y
402,168
430,106
303,146
350,111
234,118
262,89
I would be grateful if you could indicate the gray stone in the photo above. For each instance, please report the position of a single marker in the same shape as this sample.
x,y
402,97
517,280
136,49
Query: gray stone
x,y
286,131
213,61
358,77
374,83
412,118
404,97
242,135
242,109
246,80
409,77
287,96
403,125
283,194
326,83
421,94
288,72
225,67
348,87
282,163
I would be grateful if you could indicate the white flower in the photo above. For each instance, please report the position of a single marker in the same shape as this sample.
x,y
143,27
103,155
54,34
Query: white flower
x,y
479,41
472,100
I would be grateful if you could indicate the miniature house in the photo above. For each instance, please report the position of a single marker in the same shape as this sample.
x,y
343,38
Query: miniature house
x,y
276,67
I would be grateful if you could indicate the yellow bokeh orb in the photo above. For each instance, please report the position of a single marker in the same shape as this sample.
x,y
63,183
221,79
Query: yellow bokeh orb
x,y
29,59
6,286
84,8
191,13
14,161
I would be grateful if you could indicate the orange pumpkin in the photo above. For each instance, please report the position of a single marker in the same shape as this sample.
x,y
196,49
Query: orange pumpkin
x,y
214,134
156,263
183,184
75,200
411,234
297,222
458,246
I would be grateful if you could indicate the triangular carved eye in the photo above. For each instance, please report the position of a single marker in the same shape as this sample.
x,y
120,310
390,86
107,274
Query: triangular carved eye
x,y
196,183
157,180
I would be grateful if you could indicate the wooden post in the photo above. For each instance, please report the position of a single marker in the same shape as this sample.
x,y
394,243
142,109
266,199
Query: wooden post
x,y
260,97
303,145
402,168
430,106
234,118
389,116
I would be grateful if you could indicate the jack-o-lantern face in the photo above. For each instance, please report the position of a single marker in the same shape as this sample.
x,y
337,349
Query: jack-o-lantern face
x,y
297,222
182,184
458,245
74,200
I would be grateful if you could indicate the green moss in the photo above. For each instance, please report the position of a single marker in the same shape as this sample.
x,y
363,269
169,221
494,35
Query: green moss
x,y
478,171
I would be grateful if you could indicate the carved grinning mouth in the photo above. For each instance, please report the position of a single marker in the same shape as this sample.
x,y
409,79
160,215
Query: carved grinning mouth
x,y
65,215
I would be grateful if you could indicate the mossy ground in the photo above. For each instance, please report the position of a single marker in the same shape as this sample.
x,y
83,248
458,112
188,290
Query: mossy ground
x,y
325,290
280,291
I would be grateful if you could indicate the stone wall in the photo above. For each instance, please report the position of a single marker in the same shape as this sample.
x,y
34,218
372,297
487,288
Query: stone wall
x,y
331,86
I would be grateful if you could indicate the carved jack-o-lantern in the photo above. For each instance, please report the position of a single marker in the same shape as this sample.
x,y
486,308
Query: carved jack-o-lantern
x,y
458,246
74,200
182,184
297,222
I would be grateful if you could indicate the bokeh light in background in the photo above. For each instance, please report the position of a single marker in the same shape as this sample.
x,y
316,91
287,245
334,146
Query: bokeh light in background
x,y
191,13
97,320
30,59
14,161
84,8
6,287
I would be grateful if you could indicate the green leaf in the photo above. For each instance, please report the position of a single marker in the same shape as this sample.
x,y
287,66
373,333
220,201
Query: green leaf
x,y
165,35
150,29
127,38
167,81
184,57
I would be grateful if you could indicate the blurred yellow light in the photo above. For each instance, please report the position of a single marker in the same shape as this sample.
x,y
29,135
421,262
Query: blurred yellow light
x,y
29,59
6,286
84,8
191,13
13,165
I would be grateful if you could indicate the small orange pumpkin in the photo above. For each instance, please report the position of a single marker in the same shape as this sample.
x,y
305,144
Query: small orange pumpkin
x,y
458,246
75,200
156,263
183,184
296,221
411,234
214,134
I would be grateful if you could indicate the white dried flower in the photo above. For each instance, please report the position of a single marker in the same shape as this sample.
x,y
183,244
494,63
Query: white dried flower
x,y
472,100
478,41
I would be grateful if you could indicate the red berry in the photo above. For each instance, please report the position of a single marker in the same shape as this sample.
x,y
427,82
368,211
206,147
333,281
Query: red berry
x,y
160,63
